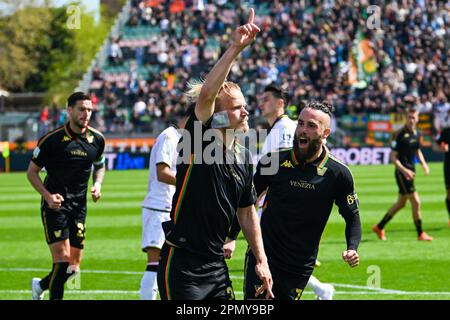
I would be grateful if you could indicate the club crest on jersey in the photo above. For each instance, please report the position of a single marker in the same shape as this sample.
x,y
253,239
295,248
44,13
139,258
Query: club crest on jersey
x,y
65,138
321,171
90,139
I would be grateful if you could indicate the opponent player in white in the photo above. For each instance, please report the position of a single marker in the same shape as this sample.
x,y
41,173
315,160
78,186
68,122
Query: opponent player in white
x,y
158,202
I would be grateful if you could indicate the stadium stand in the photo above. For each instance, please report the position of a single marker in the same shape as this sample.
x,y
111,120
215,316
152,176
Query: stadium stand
x,y
305,46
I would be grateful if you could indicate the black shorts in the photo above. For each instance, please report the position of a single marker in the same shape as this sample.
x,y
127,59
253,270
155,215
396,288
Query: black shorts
x,y
69,222
185,276
285,286
404,186
447,173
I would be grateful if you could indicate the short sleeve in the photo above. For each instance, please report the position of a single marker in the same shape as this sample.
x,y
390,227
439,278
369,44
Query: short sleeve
x,y
249,195
166,150
100,159
41,153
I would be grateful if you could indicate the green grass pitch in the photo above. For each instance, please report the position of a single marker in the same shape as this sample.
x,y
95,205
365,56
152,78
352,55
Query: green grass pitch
x,y
399,268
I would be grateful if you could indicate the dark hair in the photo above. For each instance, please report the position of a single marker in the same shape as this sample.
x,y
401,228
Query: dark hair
x,y
277,92
186,111
323,106
76,96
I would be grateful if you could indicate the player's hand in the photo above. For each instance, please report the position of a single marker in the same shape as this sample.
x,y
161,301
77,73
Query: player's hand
x,y
228,248
246,34
408,174
426,169
95,191
55,201
351,257
263,272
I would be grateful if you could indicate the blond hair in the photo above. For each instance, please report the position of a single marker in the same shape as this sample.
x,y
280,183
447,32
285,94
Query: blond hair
x,y
195,87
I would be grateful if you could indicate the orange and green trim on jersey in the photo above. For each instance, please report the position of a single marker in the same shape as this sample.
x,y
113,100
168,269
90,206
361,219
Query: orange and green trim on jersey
x,y
294,158
325,158
183,189
48,135
95,131
166,273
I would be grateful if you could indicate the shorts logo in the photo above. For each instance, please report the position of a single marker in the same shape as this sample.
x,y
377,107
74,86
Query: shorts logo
x,y
351,198
287,164
57,233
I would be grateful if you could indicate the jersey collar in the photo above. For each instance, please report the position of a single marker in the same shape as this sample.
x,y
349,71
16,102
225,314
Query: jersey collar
x,y
74,136
320,162
276,120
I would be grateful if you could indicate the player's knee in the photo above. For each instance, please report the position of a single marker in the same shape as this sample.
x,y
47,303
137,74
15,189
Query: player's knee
x,y
415,203
60,254
403,204
153,254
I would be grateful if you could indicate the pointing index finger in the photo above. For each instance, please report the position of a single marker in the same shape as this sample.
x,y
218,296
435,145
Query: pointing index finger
x,y
251,15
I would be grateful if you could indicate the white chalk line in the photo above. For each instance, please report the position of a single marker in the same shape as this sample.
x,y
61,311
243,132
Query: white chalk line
x,y
367,290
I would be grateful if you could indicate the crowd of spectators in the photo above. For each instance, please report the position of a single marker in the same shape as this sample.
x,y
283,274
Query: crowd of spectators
x,y
304,47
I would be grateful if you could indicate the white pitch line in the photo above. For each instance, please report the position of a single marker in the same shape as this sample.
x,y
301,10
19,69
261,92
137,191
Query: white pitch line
x,y
366,287
82,271
372,290
87,292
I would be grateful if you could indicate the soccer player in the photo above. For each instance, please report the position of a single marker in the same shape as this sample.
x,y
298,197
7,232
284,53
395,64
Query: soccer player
x,y
158,202
405,146
298,203
443,141
68,154
208,193
281,136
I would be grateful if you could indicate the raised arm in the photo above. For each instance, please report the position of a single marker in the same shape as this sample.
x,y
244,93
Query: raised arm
x,y
242,37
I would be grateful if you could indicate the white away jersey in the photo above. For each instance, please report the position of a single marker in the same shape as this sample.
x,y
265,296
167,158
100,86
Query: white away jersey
x,y
159,195
281,135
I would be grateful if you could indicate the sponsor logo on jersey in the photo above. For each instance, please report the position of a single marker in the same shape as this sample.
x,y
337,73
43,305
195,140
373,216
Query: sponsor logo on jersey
x,y
78,153
352,198
303,184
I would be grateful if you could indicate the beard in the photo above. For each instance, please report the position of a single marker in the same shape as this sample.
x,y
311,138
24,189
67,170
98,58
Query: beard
x,y
313,147
81,124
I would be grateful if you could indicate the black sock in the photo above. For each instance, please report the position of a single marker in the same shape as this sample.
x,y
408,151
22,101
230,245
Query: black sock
x,y
152,268
59,277
447,202
45,282
384,221
418,224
